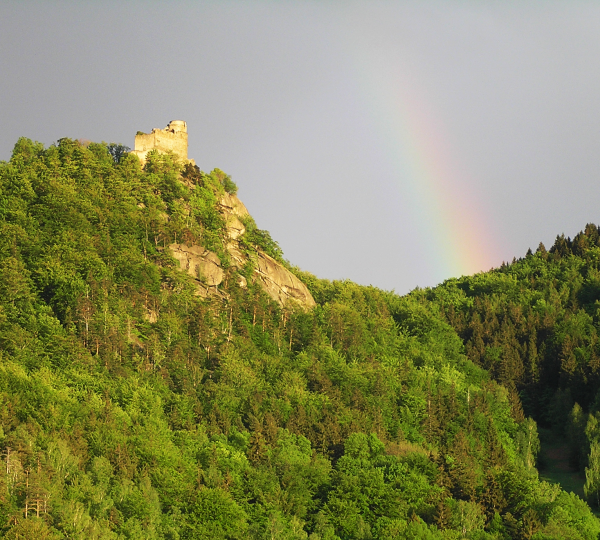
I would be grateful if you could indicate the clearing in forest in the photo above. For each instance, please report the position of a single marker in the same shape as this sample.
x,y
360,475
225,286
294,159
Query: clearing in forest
x,y
555,466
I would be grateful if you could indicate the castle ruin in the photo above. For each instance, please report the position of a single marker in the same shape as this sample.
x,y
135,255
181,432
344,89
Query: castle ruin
x,y
173,138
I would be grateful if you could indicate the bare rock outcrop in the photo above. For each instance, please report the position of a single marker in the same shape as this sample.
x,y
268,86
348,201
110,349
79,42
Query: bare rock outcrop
x,y
232,209
230,204
280,284
235,228
199,263
205,266
276,280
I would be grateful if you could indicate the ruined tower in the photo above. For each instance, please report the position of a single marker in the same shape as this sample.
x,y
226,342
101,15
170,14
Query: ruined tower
x,y
173,138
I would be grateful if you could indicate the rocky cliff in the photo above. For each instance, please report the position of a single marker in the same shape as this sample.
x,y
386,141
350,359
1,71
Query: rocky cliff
x,y
206,267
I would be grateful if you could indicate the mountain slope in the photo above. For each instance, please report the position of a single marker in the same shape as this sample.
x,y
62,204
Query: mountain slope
x,y
140,399
534,326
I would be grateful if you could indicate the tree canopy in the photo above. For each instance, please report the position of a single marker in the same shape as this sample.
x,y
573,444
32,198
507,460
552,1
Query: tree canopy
x,y
134,408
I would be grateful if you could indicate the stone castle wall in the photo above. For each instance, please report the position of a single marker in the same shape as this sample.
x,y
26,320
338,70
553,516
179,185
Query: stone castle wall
x,y
173,138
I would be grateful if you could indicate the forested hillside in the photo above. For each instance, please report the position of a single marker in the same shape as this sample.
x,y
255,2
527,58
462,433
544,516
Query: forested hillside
x,y
133,405
533,325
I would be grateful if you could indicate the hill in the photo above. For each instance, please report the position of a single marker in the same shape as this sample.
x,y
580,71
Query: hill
x,y
165,373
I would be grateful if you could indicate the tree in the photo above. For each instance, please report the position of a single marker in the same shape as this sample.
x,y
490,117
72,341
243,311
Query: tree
x,y
34,529
592,475
528,443
117,151
215,515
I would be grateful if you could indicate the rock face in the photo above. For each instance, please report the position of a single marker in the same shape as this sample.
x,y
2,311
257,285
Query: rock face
x,y
232,210
280,284
230,204
204,265
199,263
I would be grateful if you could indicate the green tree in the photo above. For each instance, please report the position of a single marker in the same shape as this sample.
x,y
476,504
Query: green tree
x,y
592,475
117,151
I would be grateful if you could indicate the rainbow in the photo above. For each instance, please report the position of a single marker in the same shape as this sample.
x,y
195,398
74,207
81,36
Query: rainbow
x,y
448,211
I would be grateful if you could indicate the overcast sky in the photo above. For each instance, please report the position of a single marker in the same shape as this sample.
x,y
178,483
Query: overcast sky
x,y
396,144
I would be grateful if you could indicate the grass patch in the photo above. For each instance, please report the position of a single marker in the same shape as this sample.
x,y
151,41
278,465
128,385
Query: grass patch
x,y
554,463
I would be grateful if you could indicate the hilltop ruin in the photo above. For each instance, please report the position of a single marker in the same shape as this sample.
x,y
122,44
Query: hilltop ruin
x,y
173,138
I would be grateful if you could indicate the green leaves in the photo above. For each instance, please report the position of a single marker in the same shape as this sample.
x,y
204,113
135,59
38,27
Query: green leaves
x,y
215,515
132,406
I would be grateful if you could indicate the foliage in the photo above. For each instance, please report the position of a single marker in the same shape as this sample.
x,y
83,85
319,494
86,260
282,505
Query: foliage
x,y
255,237
131,407
117,151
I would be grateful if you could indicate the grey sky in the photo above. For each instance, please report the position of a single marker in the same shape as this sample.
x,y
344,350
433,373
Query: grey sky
x,y
359,133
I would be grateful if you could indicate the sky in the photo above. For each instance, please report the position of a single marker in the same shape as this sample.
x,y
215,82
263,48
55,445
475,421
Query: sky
x,y
396,144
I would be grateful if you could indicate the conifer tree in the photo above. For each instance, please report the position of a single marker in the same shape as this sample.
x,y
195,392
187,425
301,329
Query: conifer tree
x,y
493,499
592,475
443,515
